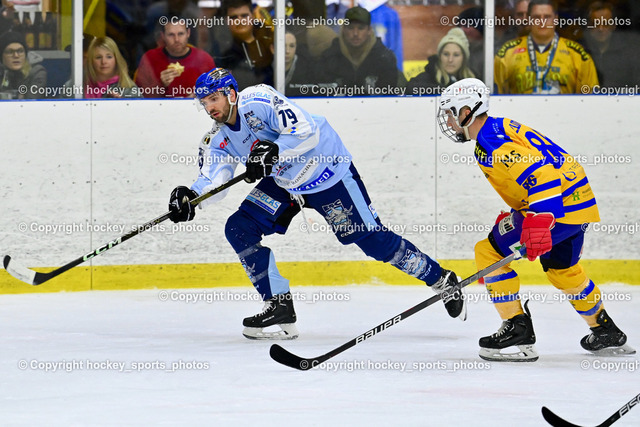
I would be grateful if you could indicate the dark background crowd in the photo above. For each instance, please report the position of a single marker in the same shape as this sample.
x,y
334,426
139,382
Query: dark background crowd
x,y
156,49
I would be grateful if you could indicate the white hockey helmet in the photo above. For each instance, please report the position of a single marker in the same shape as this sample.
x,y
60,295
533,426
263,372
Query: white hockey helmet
x,y
471,93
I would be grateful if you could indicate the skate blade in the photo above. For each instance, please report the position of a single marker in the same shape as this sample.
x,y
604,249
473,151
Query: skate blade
x,y
614,351
288,331
526,353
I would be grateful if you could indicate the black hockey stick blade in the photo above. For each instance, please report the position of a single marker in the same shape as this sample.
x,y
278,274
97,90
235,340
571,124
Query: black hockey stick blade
x,y
285,357
556,421
35,278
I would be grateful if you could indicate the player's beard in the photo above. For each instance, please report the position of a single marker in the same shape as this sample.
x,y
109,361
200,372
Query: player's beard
x,y
223,116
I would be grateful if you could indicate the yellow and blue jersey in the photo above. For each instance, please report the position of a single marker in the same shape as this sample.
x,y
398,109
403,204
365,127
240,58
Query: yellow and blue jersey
x,y
532,173
572,69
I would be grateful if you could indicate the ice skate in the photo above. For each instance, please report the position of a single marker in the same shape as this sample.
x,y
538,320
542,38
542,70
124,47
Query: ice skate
x,y
277,312
606,339
451,293
515,332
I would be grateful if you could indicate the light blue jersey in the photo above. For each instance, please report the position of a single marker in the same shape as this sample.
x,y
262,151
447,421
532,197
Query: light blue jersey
x,y
312,156
314,163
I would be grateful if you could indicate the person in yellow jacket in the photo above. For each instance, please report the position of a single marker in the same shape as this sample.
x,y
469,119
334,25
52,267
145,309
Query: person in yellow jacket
x,y
551,204
543,62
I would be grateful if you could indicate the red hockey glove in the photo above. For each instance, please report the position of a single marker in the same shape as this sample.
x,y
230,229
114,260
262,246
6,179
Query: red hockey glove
x,y
536,233
502,216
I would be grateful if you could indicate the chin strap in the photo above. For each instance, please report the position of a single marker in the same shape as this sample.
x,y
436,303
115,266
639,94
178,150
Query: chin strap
x,y
470,115
469,120
465,130
231,105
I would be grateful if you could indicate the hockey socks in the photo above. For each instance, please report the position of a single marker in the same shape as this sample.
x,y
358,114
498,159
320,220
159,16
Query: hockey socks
x,y
412,261
260,265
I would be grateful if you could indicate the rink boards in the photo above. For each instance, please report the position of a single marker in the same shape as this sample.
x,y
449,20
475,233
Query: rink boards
x,y
77,174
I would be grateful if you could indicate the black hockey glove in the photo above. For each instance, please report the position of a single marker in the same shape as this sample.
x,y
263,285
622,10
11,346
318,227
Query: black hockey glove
x,y
179,207
261,160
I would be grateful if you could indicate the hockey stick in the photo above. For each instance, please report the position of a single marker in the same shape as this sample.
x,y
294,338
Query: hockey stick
x,y
556,421
289,359
34,278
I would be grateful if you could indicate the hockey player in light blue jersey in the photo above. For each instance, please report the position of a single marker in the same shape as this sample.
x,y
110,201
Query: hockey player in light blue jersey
x,y
299,161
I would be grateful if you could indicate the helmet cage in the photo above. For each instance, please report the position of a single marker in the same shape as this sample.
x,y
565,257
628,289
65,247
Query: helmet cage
x,y
454,132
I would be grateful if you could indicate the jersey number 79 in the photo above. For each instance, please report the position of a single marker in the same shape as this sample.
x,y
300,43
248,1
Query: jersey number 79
x,y
284,114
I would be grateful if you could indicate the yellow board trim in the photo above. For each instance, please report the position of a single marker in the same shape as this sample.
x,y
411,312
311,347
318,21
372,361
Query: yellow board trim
x,y
318,273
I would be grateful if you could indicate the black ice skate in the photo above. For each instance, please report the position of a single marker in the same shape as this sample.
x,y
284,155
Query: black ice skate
x,y
451,293
517,331
278,311
606,339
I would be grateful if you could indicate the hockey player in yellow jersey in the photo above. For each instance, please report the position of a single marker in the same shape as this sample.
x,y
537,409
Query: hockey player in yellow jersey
x,y
551,201
543,62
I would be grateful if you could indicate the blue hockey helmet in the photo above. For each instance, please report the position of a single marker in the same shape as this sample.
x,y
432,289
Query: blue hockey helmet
x,y
218,79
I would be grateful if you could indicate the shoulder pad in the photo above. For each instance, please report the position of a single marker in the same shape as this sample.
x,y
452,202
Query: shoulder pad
x,y
508,45
578,48
214,129
278,102
211,137
259,93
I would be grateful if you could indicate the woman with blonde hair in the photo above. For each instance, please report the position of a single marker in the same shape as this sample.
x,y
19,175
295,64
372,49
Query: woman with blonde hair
x,y
449,65
106,72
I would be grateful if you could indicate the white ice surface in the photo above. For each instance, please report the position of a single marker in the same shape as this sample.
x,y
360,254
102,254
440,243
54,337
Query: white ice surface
x,y
243,386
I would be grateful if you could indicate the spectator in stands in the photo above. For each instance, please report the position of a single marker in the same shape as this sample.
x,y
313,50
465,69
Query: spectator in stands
x,y
168,8
543,62
313,36
249,57
449,65
386,25
20,72
171,71
520,14
219,39
517,25
357,60
613,52
106,73
299,71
